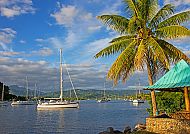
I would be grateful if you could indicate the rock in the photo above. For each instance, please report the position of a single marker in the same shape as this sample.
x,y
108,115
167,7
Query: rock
x,y
139,127
117,132
104,132
110,129
127,130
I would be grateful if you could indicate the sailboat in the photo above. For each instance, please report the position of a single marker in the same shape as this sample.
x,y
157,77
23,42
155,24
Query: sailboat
x,y
104,98
59,102
27,102
137,101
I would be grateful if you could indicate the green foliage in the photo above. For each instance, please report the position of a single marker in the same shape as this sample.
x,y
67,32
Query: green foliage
x,y
168,102
7,96
93,94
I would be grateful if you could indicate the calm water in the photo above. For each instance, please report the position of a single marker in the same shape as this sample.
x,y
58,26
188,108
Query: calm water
x,y
90,118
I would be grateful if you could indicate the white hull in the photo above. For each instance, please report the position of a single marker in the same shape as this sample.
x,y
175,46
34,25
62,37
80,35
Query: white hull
x,y
137,101
23,103
102,101
55,105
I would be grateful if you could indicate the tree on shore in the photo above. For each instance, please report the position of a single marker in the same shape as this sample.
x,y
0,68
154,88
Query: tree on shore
x,y
7,95
142,42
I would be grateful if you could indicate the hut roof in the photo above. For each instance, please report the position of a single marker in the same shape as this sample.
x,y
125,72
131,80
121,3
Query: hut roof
x,y
175,79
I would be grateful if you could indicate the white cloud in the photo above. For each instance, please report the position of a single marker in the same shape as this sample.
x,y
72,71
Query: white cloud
x,y
13,71
112,9
39,40
55,42
22,41
11,8
65,15
9,53
97,45
94,28
43,52
6,37
72,39
79,22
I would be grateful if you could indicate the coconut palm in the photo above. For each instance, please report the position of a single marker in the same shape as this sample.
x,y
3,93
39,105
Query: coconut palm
x,y
141,44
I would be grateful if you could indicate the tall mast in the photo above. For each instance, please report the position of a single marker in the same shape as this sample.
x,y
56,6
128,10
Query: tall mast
x,y
61,79
104,88
35,92
27,88
139,87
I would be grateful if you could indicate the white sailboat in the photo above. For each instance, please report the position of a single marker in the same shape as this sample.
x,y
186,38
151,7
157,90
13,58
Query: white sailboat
x,y
137,101
27,102
54,103
104,98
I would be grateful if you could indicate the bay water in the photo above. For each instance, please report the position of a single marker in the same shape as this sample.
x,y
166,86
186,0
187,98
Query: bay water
x,y
90,118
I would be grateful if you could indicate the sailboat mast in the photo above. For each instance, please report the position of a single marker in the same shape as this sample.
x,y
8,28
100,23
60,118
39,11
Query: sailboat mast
x,y
26,88
2,97
139,87
35,92
61,79
104,89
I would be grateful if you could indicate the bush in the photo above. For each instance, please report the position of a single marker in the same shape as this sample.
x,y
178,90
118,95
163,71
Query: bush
x,y
168,102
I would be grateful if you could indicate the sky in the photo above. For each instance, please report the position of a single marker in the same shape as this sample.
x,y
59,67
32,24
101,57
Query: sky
x,y
33,31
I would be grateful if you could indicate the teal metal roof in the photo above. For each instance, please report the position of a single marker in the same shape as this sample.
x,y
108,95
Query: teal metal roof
x,y
177,77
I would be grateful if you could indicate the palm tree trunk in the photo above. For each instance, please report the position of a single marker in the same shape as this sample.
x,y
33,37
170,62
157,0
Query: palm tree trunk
x,y
187,104
153,96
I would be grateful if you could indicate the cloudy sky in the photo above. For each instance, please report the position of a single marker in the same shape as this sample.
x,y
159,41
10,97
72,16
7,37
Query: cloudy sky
x,y
31,33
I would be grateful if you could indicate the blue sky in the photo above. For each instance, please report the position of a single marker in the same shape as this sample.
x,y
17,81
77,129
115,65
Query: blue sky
x,y
31,33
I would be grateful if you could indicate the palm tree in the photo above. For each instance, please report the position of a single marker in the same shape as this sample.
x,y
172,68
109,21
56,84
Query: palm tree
x,y
141,44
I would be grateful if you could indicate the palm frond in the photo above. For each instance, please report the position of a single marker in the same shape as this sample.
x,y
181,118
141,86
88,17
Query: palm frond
x,y
123,66
115,22
131,4
132,25
173,53
140,56
148,9
158,52
176,19
123,38
171,32
115,47
162,14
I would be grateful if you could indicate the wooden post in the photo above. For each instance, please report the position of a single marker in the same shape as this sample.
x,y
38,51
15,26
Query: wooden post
x,y
154,107
187,104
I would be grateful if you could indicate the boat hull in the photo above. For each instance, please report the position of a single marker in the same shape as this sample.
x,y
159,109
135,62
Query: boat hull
x,y
137,101
47,105
23,103
103,101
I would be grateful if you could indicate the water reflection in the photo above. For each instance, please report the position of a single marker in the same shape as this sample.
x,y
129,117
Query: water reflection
x,y
51,120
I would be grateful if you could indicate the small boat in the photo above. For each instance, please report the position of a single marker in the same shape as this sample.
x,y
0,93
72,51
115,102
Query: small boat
x,y
104,98
138,101
59,102
23,103
27,102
